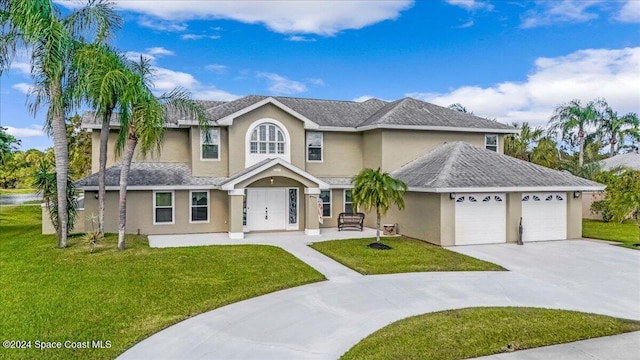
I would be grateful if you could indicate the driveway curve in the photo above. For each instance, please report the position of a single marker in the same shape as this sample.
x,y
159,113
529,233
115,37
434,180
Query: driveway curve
x,y
323,320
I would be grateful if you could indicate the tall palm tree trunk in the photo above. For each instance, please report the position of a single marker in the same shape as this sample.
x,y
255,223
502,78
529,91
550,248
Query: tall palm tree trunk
x,y
127,156
61,154
581,146
612,149
104,139
378,224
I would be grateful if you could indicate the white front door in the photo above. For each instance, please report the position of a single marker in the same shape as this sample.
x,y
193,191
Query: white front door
x,y
266,209
480,219
544,216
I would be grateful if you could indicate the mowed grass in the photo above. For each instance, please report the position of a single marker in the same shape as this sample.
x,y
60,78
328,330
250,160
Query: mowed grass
x,y
626,233
17,191
406,255
51,294
474,332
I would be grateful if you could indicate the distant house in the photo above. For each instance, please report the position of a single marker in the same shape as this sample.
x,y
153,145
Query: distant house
x,y
630,160
286,164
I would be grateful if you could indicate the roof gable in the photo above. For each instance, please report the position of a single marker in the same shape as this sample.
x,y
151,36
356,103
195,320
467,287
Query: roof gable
x,y
228,119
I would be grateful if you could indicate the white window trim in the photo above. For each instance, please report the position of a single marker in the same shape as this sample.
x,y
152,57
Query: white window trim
x,y
497,145
191,221
251,159
330,204
344,200
219,146
297,224
321,147
173,208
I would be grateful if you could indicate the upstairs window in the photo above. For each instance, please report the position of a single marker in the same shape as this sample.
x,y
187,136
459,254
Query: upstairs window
x,y
210,148
491,142
267,138
314,146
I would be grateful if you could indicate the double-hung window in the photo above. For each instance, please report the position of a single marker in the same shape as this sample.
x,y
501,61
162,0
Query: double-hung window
x,y
210,148
491,142
314,146
199,206
163,207
325,195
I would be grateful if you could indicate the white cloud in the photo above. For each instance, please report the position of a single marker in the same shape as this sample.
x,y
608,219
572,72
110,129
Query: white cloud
x,y
471,5
314,81
212,93
468,24
159,25
159,51
217,68
298,38
198,37
282,85
585,74
34,130
306,17
630,12
552,12
165,80
23,88
363,98
135,56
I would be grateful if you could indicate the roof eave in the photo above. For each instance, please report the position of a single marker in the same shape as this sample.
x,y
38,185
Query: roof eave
x,y
438,128
563,188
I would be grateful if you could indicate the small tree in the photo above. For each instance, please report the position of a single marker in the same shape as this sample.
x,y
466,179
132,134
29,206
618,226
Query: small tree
x,y
45,181
624,197
377,189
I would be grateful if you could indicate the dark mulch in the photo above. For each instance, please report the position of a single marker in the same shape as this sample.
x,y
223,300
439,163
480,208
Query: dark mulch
x,y
379,246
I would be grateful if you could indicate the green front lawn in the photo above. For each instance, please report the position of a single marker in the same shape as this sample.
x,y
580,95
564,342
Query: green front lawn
x,y
48,294
626,233
17,191
406,255
474,332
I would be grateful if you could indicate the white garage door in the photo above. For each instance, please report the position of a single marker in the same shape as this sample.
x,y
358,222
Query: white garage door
x,y
544,216
480,219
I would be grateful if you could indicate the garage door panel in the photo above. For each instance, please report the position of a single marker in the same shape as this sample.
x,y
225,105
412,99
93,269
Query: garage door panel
x,y
480,219
544,216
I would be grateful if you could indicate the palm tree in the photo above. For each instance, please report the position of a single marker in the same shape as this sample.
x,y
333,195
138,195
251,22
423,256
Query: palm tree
x,y
38,24
459,107
545,154
624,197
517,145
102,82
571,116
377,189
614,128
143,119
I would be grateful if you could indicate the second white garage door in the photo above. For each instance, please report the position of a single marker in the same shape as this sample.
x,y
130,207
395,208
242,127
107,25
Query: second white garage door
x,y
480,219
544,216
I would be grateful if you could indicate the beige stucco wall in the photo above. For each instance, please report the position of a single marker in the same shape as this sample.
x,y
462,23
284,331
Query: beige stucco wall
x,y
514,212
140,213
337,206
574,216
447,220
47,225
588,197
238,132
402,146
215,168
372,149
175,148
420,218
342,155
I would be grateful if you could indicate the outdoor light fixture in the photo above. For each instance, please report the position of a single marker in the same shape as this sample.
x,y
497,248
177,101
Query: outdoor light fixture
x,y
452,196
576,194
96,195
271,180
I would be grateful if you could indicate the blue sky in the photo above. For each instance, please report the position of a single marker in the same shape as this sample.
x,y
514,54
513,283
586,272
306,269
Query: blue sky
x,y
509,60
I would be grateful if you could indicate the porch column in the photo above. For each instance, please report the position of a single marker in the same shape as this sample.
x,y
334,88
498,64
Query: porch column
x,y
236,198
311,224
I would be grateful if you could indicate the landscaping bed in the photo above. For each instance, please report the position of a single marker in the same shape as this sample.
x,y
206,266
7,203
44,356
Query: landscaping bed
x,y
405,255
474,332
58,295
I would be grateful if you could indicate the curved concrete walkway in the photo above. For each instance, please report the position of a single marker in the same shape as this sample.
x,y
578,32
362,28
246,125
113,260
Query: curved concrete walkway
x,y
323,320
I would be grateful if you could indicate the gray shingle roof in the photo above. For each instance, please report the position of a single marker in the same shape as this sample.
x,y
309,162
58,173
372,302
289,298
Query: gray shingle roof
x,y
342,114
337,181
152,174
629,160
458,165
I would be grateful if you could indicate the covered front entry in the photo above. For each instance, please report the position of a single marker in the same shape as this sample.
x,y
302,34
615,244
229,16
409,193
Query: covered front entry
x,y
273,195
272,209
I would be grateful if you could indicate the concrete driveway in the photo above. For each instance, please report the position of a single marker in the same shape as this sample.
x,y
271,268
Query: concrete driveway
x,y
323,320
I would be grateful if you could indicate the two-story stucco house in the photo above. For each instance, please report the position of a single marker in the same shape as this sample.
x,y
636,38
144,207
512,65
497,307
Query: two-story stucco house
x,y
269,160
